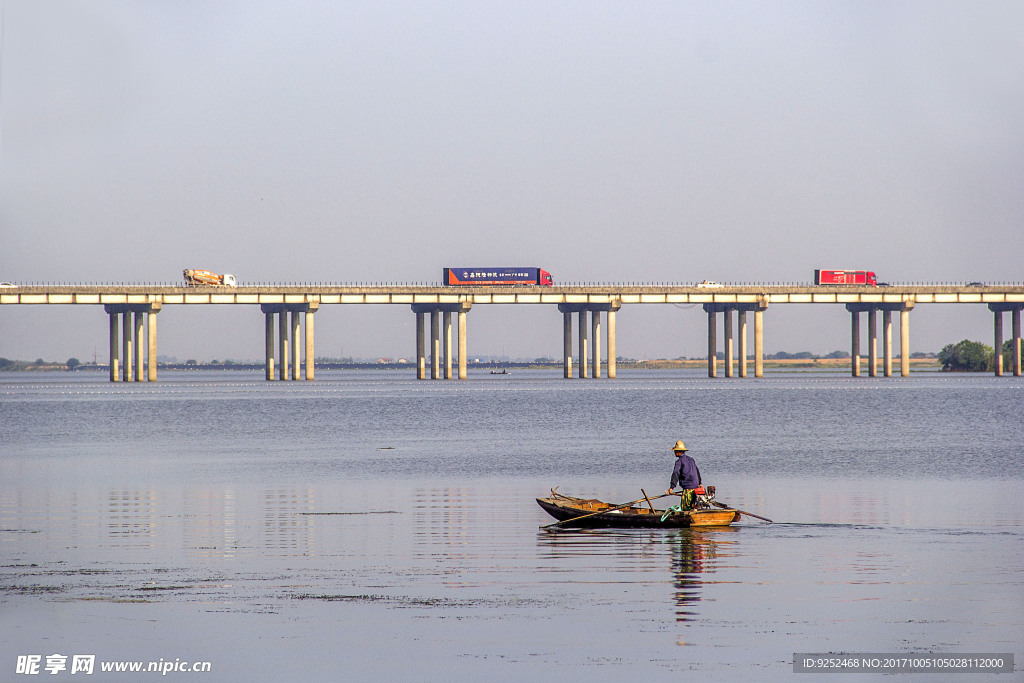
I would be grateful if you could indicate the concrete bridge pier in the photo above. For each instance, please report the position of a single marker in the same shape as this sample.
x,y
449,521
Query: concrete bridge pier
x,y
711,310
759,342
611,341
584,364
436,311
284,349
293,348
997,343
270,363
873,342
446,332
421,349
589,364
741,340
904,308
128,361
128,367
727,342
115,360
566,343
1015,324
887,343
435,344
735,338
854,342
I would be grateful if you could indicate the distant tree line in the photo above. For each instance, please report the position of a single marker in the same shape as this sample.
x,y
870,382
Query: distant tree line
x,y
8,365
804,355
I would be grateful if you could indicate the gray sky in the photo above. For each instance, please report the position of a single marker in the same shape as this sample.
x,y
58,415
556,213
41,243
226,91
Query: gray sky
x,y
605,142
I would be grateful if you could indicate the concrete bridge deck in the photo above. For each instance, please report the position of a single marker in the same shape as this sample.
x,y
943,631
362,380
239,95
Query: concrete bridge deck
x,y
597,293
131,306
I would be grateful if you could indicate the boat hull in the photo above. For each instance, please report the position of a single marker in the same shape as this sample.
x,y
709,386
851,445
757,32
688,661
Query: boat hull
x,y
565,508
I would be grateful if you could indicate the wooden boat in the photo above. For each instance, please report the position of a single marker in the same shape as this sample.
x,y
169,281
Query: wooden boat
x,y
563,507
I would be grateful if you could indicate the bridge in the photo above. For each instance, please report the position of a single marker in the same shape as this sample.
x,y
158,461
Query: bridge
x,y
289,311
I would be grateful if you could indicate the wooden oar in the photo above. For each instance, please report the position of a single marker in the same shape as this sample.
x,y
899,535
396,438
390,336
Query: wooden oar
x,y
647,499
597,512
742,512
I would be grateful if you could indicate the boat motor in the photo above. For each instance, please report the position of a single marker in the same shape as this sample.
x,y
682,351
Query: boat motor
x,y
703,496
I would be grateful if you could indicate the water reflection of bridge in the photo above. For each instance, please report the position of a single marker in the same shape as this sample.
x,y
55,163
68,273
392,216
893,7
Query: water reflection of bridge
x,y
289,313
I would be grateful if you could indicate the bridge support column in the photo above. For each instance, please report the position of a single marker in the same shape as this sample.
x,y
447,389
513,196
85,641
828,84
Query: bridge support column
x,y
269,352
115,346
584,370
997,344
733,340
310,357
292,348
887,354
566,343
463,356
712,340
129,349
741,340
436,311
759,343
151,330
296,342
854,342
905,340
421,347
283,347
729,342
139,355
611,343
1015,325
904,308
589,338
1015,345
872,342
435,344
446,332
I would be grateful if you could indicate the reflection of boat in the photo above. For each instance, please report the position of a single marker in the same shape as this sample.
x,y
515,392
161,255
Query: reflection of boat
x,y
564,508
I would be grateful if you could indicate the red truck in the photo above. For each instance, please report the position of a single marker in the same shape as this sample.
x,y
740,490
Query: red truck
x,y
845,277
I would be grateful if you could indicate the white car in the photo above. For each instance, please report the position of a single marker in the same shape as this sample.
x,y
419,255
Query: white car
x,y
708,284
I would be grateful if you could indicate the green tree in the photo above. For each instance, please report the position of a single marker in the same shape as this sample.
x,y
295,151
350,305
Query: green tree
x,y
966,356
73,363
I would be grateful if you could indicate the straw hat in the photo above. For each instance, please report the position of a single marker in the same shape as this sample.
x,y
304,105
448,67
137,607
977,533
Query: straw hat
x,y
680,447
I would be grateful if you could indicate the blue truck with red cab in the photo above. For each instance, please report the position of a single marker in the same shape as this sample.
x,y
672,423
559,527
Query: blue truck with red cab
x,y
496,276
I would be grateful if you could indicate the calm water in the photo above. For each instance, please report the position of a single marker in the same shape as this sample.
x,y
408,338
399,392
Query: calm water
x,y
368,526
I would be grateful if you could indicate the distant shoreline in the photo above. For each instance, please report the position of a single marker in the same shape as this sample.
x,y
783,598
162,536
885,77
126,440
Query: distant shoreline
x,y
661,364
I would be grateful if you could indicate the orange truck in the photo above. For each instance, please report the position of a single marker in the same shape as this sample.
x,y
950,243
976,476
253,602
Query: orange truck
x,y
195,278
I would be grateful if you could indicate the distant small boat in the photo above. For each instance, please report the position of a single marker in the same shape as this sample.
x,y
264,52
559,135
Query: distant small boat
x,y
503,371
565,508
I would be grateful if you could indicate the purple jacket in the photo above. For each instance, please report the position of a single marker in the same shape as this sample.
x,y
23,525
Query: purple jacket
x,y
685,473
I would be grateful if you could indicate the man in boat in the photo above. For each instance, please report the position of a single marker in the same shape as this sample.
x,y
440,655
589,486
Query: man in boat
x,y
685,475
